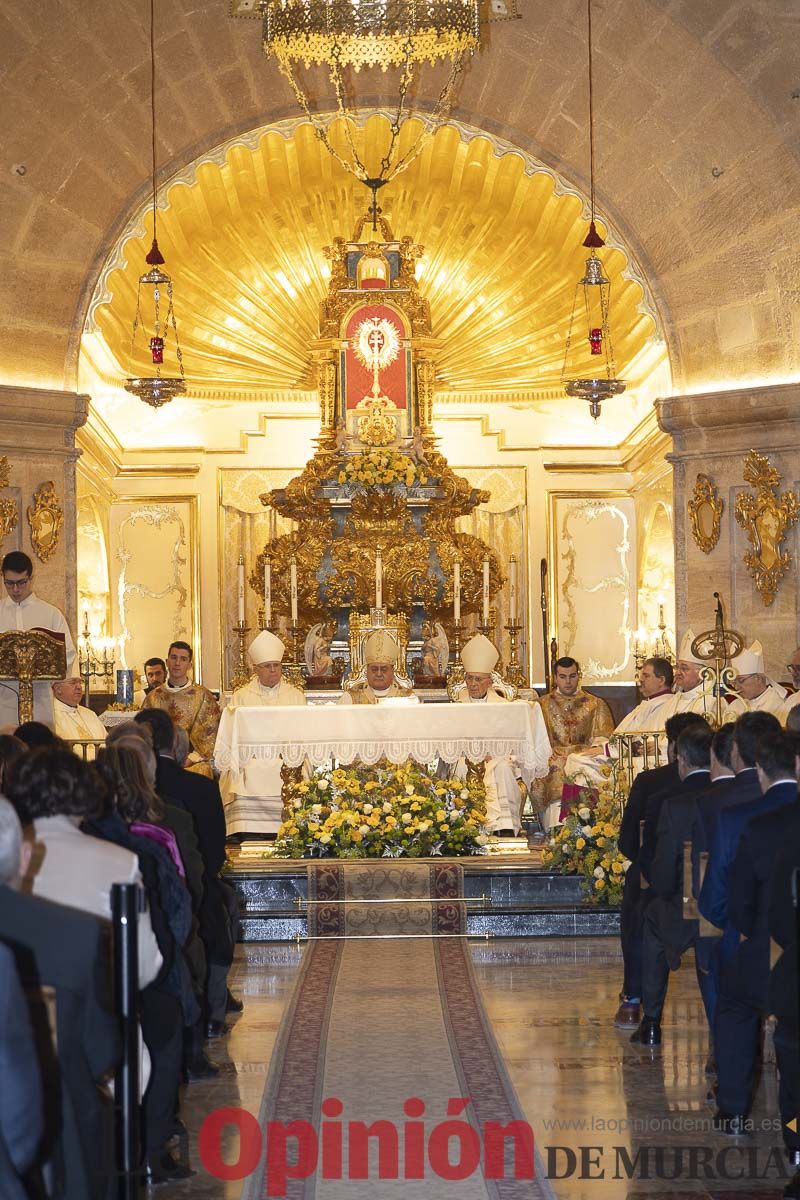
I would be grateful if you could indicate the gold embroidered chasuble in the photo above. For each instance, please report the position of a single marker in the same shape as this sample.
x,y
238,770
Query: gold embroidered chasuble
x,y
362,693
573,723
196,710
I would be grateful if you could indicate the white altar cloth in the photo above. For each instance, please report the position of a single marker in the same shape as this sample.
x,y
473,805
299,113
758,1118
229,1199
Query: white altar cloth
x,y
369,732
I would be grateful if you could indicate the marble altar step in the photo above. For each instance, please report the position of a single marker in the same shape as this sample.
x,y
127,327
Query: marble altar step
x,y
520,900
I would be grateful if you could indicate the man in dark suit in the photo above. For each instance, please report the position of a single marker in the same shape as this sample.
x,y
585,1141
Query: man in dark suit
x,y
744,976
783,998
648,787
63,954
666,934
21,1112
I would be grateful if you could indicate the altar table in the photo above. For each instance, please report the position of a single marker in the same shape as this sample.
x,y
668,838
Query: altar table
x,y
369,732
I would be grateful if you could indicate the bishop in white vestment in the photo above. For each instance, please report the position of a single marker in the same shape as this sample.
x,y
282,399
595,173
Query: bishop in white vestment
x,y
252,796
503,795
73,721
757,693
22,609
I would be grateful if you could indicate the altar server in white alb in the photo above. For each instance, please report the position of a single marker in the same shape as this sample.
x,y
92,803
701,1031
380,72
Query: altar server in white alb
x,y
252,796
756,691
73,721
504,796
21,609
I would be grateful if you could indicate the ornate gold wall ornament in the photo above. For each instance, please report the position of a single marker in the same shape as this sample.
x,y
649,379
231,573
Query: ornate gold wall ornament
x,y
765,518
8,507
705,513
45,517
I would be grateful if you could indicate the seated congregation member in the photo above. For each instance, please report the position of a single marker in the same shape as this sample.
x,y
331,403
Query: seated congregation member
x,y
744,975
647,792
155,673
655,684
252,796
63,961
575,720
201,799
503,799
54,791
783,998
133,818
11,750
21,1106
22,609
665,934
34,734
189,705
381,652
73,721
755,691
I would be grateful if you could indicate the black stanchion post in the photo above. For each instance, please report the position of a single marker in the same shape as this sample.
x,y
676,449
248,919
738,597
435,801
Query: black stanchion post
x,y
126,900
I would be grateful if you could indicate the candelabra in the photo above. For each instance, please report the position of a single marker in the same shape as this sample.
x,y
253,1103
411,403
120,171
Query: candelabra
x,y
514,672
455,670
660,643
90,662
488,630
241,669
294,670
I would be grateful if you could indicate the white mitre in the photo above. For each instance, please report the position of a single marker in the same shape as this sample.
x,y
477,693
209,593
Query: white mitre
x,y
685,650
750,661
266,648
479,656
380,648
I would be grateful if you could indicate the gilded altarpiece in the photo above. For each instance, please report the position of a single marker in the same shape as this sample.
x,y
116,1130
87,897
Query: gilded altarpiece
x,y
593,561
155,594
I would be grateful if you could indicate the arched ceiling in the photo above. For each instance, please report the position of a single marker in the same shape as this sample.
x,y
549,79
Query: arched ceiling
x,y
698,114
243,231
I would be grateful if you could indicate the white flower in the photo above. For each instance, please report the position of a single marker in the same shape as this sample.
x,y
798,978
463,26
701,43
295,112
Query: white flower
x,y
387,808
323,784
599,873
424,825
363,829
409,789
406,817
465,795
454,815
552,841
297,804
367,809
584,813
625,865
586,830
316,809
325,838
482,839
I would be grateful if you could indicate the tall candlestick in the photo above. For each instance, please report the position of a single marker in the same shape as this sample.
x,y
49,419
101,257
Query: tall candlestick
x,y
486,591
267,593
378,579
240,588
512,589
293,587
457,591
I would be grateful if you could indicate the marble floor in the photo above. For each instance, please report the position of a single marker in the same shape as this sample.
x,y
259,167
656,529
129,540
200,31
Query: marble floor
x,y
594,1101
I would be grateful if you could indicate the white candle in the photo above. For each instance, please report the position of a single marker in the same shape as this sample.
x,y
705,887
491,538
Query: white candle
x,y
486,591
293,587
267,593
378,579
456,591
240,588
512,590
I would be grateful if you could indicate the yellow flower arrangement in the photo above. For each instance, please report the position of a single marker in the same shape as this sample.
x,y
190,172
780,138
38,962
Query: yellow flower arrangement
x,y
591,850
381,468
383,811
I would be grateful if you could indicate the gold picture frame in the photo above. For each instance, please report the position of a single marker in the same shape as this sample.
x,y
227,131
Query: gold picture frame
x,y
705,513
766,517
45,517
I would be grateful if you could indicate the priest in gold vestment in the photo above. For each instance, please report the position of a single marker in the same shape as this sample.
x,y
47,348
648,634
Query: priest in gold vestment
x,y
381,652
574,720
252,797
190,705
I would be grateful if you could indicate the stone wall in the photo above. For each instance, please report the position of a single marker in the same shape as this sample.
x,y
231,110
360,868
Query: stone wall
x,y
712,433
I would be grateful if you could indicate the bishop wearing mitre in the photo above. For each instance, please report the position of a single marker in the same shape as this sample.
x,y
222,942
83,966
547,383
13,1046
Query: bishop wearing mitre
x,y
504,798
252,796
381,652
575,720
756,691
